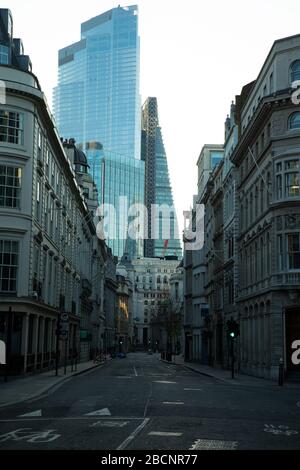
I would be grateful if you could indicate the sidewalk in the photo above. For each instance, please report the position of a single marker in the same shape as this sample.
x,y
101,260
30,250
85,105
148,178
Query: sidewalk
x,y
21,388
225,375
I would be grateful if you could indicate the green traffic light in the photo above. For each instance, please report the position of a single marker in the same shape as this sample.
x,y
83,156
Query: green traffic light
x,y
232,334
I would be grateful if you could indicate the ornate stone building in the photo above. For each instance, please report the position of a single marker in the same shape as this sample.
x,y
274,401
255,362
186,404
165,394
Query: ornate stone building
x,y
267,161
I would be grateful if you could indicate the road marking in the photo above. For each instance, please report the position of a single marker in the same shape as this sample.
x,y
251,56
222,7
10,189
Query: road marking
x,y
109,424
103,412
123,377
277,430
163,382
26,434
210,444
159,433
173,402
135,372
193,389
31,414
133,435
69,418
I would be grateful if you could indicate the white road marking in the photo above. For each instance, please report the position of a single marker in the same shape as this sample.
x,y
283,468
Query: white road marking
x,y
133,435
26,434
135,372
210,444
193,389
109,424
163,382
123,377
173,403
103,412
277,430
69,418
159,433
31,414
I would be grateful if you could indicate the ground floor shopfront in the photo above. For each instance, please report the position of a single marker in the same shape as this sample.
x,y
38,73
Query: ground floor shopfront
x,y
29,331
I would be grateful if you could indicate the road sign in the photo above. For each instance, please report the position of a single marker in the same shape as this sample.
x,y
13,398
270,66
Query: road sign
x,y
64,317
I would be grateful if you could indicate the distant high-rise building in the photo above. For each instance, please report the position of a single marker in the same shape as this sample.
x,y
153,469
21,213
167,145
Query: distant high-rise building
x,y
121,183
97,100
158,190
11,49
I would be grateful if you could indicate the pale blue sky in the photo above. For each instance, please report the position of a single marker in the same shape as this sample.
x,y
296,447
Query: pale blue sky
x,y
195,57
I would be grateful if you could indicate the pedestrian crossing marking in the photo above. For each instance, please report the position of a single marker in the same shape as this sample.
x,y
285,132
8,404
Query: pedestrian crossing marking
x,y
31,414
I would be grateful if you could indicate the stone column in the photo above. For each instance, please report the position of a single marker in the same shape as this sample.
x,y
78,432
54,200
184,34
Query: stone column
x,y
276,339
42,335
24,345
35,339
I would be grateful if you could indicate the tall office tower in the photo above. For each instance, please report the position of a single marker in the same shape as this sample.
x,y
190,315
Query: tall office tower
x,y
158,191
97,100
11,49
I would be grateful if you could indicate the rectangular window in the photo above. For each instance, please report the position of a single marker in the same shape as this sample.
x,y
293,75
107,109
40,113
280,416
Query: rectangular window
x,y
279,186
40,141
280,252
271,83
293,244
10,186
292,184
9,252
11,127
292,165
4,55
38,200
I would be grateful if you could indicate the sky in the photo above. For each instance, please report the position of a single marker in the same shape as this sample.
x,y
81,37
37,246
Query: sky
x,y
196,56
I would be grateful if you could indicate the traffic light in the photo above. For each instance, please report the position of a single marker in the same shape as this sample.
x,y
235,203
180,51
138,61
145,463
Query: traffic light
x,y
233,328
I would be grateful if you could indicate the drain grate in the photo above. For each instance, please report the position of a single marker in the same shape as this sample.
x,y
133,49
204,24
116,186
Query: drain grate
x,y
210,444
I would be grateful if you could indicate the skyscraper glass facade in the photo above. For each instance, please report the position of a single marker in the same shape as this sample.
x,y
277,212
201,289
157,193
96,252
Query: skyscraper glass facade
x,y
121,183
158,190
97,100
97,97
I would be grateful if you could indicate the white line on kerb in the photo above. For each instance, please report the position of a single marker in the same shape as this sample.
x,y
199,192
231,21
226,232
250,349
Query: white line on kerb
x,y
135,372
133,435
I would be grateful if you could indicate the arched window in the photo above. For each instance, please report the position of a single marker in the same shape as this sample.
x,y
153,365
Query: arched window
x,y
294,121
295,71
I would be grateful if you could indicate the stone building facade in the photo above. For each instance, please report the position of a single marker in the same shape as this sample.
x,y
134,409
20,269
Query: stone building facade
x,y
47,237
268,164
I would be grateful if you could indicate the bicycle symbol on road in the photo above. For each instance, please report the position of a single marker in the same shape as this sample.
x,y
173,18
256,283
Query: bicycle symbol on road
x,y
26,434
276,430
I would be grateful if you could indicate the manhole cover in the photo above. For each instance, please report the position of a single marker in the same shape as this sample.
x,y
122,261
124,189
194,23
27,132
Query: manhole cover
x,y
209,444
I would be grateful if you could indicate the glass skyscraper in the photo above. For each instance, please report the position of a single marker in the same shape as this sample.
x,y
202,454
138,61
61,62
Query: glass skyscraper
x,y
97,100
158,190
117,175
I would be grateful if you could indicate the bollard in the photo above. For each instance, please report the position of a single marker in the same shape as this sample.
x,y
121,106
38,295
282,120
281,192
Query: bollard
x,y
280,375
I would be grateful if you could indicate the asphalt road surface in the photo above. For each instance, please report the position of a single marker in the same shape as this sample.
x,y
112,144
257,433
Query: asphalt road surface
x,y
141,403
